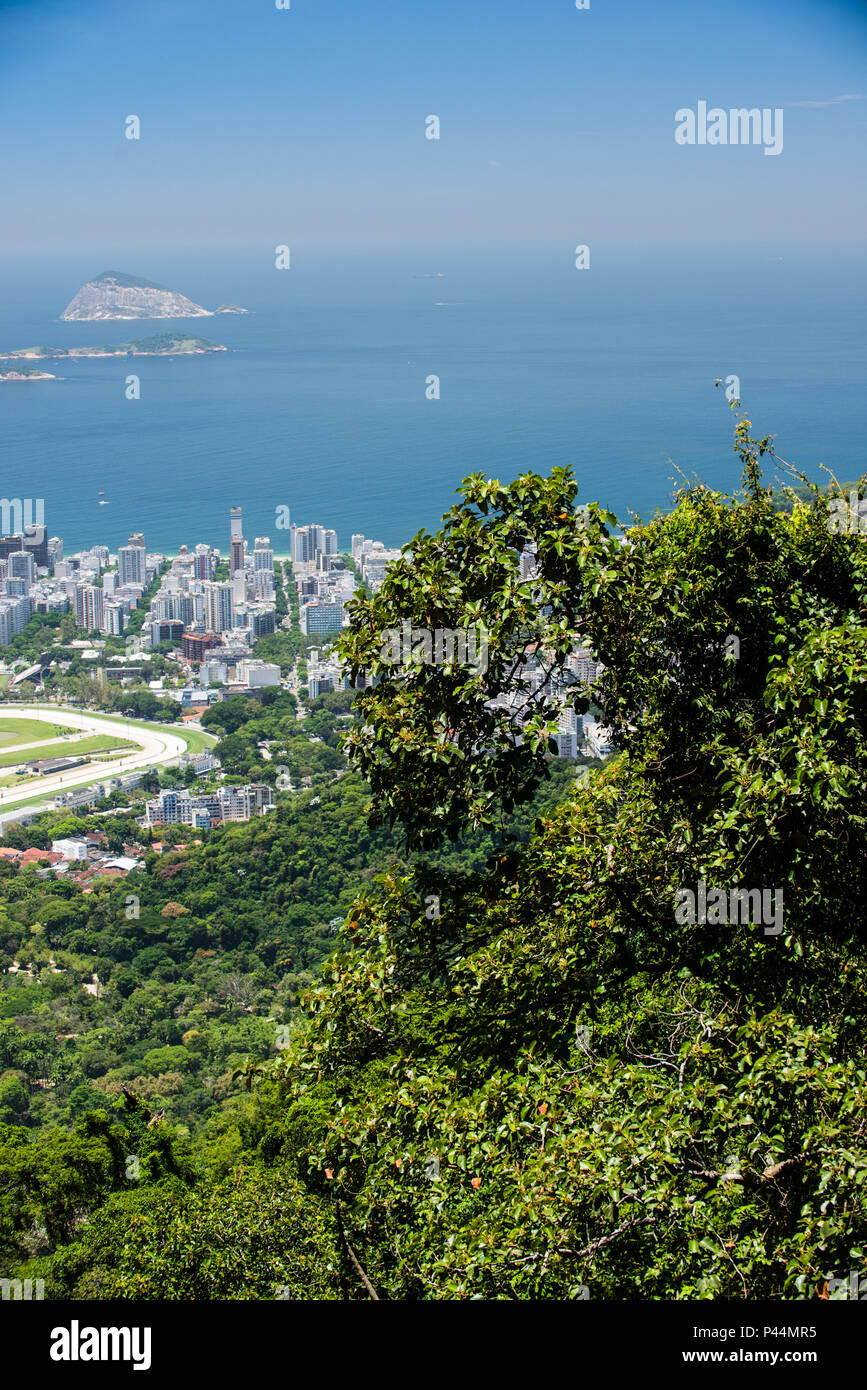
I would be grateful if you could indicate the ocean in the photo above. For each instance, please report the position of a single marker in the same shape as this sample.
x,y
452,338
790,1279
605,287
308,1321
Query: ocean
x,y
320,405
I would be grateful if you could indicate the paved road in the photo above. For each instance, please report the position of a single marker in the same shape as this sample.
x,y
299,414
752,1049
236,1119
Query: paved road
x,y
156,748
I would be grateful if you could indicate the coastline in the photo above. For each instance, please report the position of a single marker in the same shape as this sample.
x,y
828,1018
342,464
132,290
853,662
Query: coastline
x,y
79,352
134,318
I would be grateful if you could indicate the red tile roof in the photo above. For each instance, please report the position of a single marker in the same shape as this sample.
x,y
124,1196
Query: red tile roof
x,y
36,856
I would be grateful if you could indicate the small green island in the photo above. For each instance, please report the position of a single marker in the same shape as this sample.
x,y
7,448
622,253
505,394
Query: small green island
x,y
157,345
26,374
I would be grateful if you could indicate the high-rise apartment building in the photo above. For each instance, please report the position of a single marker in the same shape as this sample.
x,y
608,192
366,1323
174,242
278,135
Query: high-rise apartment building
x,y
302,549
114,618
21,565
14,616
237,555
204,562
263,583
309,542
132,561
195,644
32,538
237,544
89,607
262,623
318,618
263,555
178,607
218,606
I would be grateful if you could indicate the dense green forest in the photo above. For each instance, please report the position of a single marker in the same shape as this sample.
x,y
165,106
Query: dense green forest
x,y
200,957
217,937
517,1070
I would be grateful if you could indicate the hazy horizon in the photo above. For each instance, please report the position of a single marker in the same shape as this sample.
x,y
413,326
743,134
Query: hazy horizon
x,y
306,126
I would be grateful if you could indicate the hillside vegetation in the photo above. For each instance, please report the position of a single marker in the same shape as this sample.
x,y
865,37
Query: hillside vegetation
x,y
525,1072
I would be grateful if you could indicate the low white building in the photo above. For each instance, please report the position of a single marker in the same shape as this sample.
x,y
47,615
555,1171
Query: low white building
x,y
70,849
256,673
124,863
213,673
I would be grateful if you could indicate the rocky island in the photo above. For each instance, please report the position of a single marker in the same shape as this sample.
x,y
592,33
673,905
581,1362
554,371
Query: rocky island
x,y
26,374
113,295
230,309
157,345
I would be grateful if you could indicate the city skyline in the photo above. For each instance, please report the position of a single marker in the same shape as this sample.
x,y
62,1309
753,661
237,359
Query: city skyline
x,y
195,606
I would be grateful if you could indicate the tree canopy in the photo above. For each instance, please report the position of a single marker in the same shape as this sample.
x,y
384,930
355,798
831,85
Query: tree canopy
x,y
531,1076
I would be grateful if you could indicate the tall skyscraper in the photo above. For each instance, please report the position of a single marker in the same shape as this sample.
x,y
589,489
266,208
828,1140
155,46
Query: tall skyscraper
x,y
14,615
263,555
218,606
204,567
302,549
95,607
237,544
21,565
114,618
309,542
131,560
89,607
32,538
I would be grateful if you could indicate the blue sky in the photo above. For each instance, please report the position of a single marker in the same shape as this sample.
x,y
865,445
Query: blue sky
x,y
307,125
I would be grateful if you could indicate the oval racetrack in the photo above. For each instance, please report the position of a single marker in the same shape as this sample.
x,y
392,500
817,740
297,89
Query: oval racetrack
x,y
156,747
